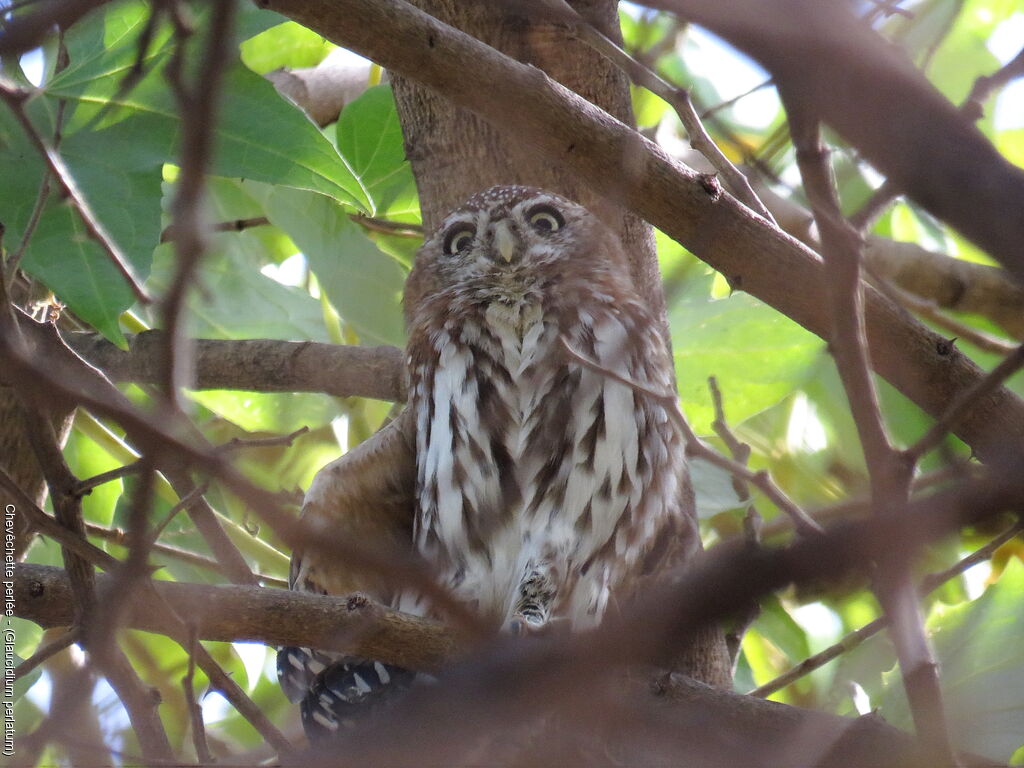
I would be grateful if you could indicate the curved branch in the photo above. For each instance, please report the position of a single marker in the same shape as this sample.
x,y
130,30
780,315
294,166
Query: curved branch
x,y
621,164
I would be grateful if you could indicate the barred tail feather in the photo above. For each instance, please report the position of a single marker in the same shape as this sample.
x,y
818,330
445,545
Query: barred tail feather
x,y
336,695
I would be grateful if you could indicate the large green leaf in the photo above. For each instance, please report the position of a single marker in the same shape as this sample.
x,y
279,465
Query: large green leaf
x,y
775,623
122,189
370,138
758,355
115,157
980,647
285,45
259,135
363,283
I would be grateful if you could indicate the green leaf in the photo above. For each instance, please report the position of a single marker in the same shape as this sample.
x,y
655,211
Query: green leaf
x,y
87,460
363,283
116,161
239,302
758,355
269,412
370,139
713,489
123,194
980,648
775,623
286,45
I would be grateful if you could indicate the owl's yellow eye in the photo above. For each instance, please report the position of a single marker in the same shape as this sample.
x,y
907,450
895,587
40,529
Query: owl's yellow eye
x,y
459,238
545,219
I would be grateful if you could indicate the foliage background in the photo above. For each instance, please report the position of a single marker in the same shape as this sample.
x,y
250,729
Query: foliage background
x,y
315,271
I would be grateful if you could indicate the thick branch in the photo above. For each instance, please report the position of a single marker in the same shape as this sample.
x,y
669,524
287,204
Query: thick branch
x,y
259,365
354,625
621,164
949,282
865,88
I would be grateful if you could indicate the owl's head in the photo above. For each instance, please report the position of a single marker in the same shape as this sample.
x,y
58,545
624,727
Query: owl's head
x,y
504,238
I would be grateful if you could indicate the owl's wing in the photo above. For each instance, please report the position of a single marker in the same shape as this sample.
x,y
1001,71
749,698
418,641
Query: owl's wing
x,y
367,497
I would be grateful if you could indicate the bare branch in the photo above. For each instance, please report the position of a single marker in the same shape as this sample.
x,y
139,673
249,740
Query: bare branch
x,y
352,625
262,365
942,161
197,106
14,260
46,525
119,537
195,712
45,652
972,109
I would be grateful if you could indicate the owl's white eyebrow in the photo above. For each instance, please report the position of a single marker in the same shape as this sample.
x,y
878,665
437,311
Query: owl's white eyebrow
x,y
473,219
534,201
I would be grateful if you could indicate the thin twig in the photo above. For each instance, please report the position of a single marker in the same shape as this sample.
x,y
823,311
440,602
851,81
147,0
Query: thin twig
x,y
931,311
232,562
120,537
888,8
696,447
46,652
11,267
984,86
197,105
237,443
752,521
740,451
84,486
929,584
711,111
195,712
235,225
42,523
387,227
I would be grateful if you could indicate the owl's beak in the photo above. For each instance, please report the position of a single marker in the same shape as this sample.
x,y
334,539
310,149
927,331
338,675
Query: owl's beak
x,y
504,241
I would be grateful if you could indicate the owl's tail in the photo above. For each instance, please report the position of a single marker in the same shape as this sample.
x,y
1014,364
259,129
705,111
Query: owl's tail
x,y
335,693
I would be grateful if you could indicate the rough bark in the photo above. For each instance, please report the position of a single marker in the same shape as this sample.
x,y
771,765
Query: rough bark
x,y
455,152
258,365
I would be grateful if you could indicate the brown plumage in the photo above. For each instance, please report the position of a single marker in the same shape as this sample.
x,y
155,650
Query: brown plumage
x,y
540,490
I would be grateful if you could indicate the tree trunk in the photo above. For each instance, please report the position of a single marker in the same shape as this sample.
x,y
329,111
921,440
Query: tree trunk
x,y
454,154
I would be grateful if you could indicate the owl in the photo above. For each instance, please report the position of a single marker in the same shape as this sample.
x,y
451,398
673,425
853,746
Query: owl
x,y
538,489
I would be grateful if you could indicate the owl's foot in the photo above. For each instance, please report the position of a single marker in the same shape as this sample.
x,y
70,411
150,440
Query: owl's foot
x,y
347,691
